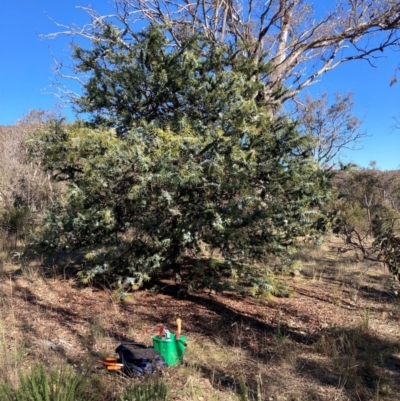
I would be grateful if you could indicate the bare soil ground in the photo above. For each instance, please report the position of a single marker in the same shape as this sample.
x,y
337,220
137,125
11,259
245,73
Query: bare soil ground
x,y
336,338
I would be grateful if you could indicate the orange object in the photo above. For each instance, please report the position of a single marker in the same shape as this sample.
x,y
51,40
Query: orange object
x,y
179,328
114,367
111,359
107,363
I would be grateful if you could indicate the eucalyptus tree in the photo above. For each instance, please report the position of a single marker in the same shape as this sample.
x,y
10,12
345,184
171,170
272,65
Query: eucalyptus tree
x,y
334,127
299,40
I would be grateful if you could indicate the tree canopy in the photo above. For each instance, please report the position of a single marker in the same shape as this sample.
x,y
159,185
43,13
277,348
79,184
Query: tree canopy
x,y
299,40
334,127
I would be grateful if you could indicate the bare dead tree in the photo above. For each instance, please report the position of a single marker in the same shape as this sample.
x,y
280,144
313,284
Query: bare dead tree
x,y
333,126
299,44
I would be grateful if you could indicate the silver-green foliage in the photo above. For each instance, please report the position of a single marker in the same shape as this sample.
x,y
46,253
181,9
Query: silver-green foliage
x,y
181,150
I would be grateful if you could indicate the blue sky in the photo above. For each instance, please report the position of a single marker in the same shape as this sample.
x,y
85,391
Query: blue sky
x,y
27,69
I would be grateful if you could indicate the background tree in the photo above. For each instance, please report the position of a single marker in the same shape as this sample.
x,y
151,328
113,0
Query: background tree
x,y
333,126
299,43
199,161
369,214
25,190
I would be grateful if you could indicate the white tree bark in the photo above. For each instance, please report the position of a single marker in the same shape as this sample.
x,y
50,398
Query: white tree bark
x,y
299,44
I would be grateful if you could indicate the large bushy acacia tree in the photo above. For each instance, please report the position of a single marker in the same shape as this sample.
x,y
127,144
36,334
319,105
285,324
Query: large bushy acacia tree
x,y
197,160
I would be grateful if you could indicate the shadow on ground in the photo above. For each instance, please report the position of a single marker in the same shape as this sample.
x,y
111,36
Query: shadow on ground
x,y
354,360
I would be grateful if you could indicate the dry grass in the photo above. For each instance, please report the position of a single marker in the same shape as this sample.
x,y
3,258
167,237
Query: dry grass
x,y
336,339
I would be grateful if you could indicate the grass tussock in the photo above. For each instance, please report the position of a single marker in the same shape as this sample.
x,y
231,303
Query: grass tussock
x,y
152,389
38,385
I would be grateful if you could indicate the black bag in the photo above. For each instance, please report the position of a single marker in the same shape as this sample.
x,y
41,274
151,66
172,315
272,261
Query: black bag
x,y
138,359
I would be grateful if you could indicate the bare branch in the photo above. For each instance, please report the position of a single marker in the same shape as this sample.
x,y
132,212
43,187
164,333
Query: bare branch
x,y
299,45
334,127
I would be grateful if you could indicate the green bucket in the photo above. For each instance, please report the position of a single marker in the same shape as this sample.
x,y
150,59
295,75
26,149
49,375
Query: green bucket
x,y
171,350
